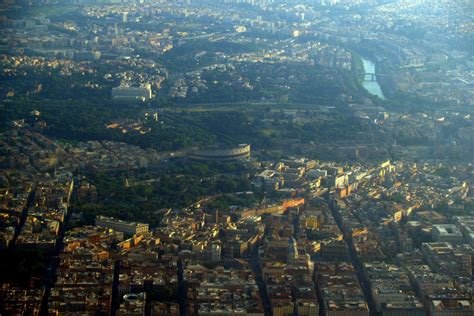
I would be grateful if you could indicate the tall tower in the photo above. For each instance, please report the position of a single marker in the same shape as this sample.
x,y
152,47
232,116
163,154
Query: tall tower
x,y
216,216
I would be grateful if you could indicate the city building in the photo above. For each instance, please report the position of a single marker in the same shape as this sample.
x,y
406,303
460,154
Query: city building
x,y
121,226
466,224
447,233
131,93
133,305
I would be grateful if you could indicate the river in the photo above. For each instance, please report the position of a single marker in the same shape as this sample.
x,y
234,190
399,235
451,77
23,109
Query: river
x,y
372,87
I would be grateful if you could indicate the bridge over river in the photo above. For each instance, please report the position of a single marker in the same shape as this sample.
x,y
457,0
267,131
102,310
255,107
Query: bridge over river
x,y
370,79
369,76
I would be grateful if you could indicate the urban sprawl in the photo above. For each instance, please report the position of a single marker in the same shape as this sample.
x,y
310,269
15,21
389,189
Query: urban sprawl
x,y
237,157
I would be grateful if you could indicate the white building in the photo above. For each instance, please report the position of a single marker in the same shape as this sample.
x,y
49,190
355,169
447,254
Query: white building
x,y
121,226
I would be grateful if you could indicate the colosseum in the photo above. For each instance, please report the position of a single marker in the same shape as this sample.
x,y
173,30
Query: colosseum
x,y
241,152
